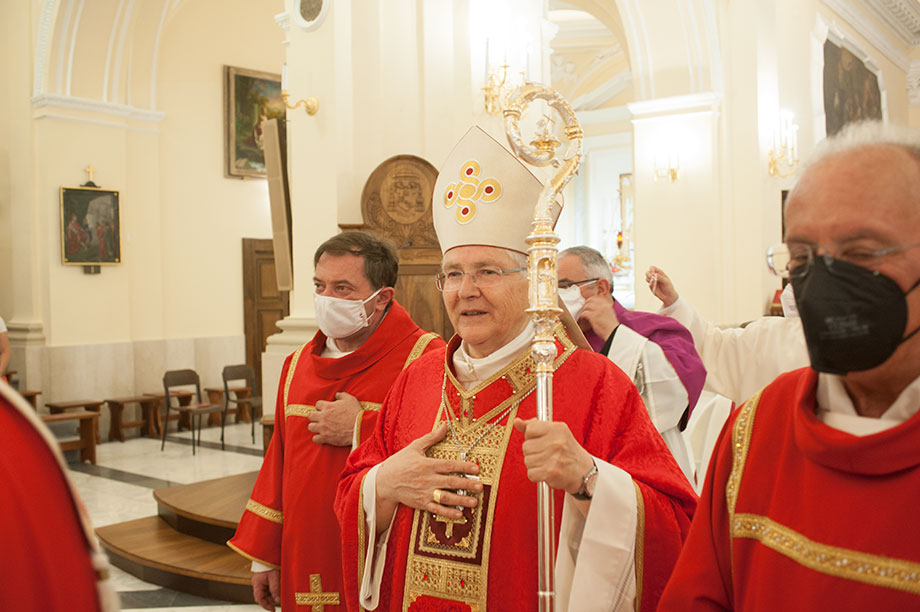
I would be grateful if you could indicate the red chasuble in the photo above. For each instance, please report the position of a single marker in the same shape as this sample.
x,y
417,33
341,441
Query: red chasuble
x,y
289,521
46,543
796,515
488,559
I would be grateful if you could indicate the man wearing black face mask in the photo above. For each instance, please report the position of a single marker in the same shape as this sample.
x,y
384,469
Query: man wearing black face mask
x,y
815,480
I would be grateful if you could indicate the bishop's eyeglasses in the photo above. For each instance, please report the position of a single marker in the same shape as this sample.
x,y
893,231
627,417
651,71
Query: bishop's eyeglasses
x,y
795,260
481,277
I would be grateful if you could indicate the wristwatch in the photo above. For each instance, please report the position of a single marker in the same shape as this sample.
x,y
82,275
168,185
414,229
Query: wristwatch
x,y
583,491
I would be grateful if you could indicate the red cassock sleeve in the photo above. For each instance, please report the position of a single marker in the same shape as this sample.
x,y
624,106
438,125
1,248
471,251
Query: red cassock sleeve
x,y
702,577
47,561
258,536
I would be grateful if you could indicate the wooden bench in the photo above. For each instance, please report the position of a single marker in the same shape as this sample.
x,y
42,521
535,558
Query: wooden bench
x,y
89,426
31,397
149,424
92,405
216,396
184,397
268,429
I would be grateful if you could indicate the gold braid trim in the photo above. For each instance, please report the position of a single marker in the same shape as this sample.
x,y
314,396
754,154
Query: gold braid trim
x,y
298,410
741,442
362,537
290,374
237,550
269,514
640,544
853,565
373,406
420,345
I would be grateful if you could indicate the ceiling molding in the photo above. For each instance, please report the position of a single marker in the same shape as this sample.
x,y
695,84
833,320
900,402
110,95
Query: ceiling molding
x,y
902,16
876,36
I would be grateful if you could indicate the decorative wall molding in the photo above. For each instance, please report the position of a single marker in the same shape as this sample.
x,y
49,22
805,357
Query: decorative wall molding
x,y
913,83
45,105
875,35
42,47
676,105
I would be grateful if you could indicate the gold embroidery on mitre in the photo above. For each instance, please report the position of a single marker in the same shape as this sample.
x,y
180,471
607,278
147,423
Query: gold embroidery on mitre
x,y
898,574
265,512
470,190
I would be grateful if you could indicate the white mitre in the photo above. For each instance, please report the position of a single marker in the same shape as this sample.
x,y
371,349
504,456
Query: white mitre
x,y
484,195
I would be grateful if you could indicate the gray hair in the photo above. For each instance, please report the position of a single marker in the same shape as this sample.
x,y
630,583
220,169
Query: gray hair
x,y
867,134
594,263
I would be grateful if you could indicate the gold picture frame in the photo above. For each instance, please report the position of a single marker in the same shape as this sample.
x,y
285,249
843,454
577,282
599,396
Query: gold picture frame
x,y
250,96
90,226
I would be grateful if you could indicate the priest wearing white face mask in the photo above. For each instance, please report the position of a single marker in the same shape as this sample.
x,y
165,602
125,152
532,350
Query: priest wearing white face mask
x,y
438,507
331,389
657,353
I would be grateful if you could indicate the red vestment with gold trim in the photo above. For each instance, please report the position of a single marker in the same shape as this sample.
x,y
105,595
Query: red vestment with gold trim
x,y
289,520
797,515
488,559
48,566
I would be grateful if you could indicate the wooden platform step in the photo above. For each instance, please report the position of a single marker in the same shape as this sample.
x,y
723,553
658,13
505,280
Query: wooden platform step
x,y
152,550
210,510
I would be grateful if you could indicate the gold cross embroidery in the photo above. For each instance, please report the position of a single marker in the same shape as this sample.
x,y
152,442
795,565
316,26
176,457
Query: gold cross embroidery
x,y
316,598
449,524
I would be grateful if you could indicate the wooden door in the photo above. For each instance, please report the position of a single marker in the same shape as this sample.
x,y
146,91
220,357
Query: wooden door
x,y
263,304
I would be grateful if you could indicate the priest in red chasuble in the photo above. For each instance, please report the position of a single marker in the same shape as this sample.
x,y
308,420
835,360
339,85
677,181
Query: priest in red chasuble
x,y
439,507
330,392
811,499
53,563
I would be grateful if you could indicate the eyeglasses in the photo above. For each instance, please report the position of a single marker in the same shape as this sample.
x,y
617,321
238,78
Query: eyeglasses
x,y
567,284
482,278
795,261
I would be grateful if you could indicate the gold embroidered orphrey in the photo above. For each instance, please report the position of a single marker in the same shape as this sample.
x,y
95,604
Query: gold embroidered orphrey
x,y
858,566
449,559
316,599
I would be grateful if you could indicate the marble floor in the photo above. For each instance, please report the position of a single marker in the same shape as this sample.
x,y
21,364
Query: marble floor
x,y
120,488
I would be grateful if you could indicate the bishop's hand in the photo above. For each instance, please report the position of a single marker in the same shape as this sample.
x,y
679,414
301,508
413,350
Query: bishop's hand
x,y
411,478
552,455
333,422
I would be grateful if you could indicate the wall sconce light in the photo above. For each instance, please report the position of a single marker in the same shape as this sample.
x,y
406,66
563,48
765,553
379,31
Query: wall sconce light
x,y
783,158
310,104
667,167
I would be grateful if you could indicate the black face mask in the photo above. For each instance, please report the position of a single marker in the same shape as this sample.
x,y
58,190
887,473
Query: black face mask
x,y
853,318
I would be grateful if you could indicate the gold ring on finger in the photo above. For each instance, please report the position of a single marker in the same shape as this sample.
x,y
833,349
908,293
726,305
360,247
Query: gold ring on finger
x,y
436,496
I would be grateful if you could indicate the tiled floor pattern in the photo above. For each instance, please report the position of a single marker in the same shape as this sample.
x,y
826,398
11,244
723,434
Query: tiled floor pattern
x,y
120,488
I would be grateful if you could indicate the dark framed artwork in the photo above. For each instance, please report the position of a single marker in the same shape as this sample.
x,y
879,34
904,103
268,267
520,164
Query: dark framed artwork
x,y
90,226
250,97
851,89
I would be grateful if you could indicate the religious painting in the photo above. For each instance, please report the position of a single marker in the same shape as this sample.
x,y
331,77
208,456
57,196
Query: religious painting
x,y
250,97
90,226
851,89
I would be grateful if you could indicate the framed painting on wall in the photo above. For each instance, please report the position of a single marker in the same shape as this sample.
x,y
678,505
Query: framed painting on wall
x,y
250,97
90,226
